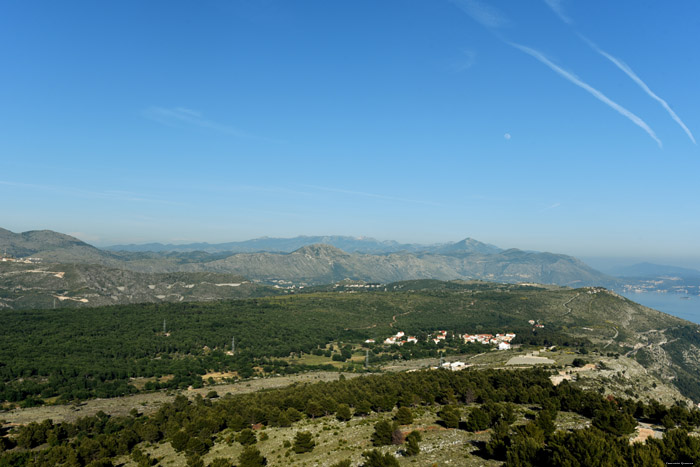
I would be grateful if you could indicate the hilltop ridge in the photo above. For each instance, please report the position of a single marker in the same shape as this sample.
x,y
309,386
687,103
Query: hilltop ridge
x,y
312,263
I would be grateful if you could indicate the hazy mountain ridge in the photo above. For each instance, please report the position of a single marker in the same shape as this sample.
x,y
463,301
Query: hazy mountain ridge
x,y
322,263
288,245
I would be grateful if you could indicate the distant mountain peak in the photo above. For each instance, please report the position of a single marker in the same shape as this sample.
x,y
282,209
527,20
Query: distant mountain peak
x,y
37,241
466,246
320,249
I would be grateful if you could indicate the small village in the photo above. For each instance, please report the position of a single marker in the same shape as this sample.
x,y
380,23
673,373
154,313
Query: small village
x,y
501,341
9,259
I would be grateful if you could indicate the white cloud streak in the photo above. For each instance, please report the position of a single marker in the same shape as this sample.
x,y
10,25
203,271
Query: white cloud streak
x,y
484,14
629,72
594,92
182,116
556,6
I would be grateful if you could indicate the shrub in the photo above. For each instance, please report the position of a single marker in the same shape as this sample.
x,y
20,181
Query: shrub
x,y
375,458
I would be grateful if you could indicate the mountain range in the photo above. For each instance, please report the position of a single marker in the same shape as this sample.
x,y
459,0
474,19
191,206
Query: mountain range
x,y
287,245
314,263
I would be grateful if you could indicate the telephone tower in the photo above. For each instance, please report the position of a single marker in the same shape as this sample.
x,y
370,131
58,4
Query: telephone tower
x,y
164,328
233,345
366,358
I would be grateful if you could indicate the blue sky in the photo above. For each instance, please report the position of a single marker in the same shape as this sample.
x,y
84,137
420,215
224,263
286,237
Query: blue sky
x,y
564,126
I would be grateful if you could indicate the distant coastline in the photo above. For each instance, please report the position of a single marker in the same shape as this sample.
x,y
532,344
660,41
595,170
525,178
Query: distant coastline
x,y
679,305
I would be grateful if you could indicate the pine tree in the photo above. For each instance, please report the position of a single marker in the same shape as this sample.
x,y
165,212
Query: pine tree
x,y
450,416
375,458
412,440
303,442
343,413
247,437
314,409
404,416
382,433
251,457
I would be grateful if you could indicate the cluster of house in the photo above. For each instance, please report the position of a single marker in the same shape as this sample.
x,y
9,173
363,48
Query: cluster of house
x,y
400,338
10,259
501,340
358,285
439,336
454,366
532,322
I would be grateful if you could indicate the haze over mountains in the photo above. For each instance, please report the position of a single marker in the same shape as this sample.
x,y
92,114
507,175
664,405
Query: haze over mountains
x,y
287,245
647,270
95,275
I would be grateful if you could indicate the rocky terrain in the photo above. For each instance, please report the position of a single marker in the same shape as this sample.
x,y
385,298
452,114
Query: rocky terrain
x,y
56,285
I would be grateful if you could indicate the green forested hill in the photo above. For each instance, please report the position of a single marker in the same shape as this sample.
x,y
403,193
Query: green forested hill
x,y
76,353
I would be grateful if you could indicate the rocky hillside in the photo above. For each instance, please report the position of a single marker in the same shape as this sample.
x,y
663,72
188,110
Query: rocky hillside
x,y
55,285
322,263
319,264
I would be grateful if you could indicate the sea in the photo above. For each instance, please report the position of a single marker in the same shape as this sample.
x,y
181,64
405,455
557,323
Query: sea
x,y
680,305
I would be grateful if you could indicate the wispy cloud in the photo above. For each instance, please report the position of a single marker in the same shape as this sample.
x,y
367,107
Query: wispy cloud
x,y
482,13
597,94
372,195
558,8
466,60
81,193
629,72
179,116
553,206
492,19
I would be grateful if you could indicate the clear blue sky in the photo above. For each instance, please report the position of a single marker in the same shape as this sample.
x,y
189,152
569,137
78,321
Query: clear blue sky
x,y
564,126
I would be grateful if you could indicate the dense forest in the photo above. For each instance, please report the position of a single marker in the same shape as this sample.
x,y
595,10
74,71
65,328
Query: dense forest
x,y
74,354
77,353
492,400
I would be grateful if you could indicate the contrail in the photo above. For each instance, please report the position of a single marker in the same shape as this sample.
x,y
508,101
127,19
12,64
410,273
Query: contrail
x,y
628,71
597,94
